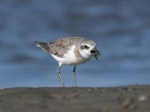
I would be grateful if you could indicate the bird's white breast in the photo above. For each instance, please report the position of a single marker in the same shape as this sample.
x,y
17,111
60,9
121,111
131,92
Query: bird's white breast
x,y
70,58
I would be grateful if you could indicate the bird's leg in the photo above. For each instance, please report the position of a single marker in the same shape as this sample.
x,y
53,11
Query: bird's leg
x,y
74,76
59,75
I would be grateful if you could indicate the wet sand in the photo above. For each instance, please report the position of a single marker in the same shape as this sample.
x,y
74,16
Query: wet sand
x,y
116,99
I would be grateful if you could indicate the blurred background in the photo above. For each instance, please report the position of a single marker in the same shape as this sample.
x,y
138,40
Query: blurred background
x,y
121,29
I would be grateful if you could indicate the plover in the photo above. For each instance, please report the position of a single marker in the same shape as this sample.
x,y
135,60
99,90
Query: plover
x,y
70,51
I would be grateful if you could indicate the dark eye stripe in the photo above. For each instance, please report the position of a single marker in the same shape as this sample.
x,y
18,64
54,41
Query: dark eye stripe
x,y
86,47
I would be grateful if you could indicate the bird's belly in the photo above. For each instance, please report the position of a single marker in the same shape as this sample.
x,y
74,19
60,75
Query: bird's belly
x,y
76,61
70,60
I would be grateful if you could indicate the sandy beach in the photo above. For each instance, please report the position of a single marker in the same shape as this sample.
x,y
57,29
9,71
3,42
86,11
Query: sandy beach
x,y
52,99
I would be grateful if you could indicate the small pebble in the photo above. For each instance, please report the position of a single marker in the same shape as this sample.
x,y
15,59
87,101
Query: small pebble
x,y
89,90
142,98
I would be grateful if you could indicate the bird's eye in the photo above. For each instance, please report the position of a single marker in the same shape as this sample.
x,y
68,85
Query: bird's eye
x,y
86,47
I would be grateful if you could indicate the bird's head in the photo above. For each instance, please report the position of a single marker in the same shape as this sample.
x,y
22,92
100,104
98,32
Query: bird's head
x,y
88,49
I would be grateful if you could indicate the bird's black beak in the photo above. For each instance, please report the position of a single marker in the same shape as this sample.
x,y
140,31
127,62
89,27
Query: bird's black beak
x,y
95,53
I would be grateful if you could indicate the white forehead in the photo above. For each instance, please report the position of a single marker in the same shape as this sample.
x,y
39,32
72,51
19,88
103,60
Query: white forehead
x,y
89,43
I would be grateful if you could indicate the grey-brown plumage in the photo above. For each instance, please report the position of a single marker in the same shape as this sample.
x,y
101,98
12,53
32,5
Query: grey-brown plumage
x,y
61,46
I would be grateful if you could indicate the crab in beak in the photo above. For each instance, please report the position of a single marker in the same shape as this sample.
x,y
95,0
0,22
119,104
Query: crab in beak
x,y
95,53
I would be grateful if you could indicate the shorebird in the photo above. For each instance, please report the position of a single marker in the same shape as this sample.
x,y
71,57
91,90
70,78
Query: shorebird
x,y
70,51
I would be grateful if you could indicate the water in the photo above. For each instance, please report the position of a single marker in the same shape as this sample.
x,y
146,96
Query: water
x,y
120,28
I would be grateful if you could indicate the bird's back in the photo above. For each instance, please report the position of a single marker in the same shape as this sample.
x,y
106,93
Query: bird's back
x,y
60,46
